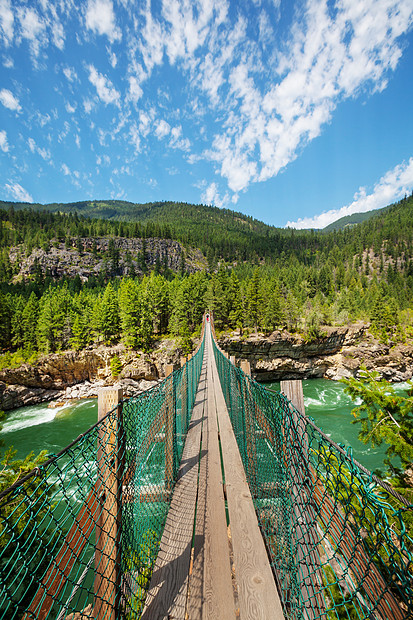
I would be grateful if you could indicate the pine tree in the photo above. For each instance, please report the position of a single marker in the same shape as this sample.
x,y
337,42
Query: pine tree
x,y
129,307
30,317
384,416
236,309
17,327
273,314
254,300
109,315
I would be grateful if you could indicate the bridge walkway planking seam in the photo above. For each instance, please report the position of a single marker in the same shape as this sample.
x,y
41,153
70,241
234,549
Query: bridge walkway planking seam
x,y
206,570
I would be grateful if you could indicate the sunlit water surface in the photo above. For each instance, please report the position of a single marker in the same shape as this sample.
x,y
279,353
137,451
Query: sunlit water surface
x,y
43,428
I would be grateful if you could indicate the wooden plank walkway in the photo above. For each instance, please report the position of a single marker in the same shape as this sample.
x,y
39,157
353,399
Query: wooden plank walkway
x,y
212,563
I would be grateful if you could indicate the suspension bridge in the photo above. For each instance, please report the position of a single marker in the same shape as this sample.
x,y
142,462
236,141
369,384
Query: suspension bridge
x,y
206,497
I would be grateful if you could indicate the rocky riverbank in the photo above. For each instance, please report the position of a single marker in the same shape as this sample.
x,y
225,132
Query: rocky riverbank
x,y
340,353
80,374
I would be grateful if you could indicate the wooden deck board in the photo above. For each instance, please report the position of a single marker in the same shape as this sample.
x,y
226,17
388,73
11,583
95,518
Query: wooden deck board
x,y
197,529
196,577
218,601
168,589
258,596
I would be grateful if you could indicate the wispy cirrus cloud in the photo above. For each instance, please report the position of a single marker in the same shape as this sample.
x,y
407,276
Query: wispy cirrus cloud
x,y
4,145
34,148
391,187
6,21
104,87
16,191
100,18
32,28
9,100
212,79
325,61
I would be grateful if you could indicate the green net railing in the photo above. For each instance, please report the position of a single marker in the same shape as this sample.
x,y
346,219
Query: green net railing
x,y
80,534
339,539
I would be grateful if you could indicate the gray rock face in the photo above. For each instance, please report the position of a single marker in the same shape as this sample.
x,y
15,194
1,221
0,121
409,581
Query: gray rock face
x,y
60,261
79,374
341,353
12,396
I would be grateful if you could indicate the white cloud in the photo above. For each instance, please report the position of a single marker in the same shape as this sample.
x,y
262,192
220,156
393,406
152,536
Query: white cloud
x,y
135,91
71,109
135,137
65,169
211,196
6,21
152,41
87,106
18,192
4,145
176,141
326,60
104,87
113,59
100,18
34,148
9,100
162,129
390,188
32,28
58,33
70,74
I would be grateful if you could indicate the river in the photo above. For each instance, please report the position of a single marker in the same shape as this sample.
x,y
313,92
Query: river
x,y
42,428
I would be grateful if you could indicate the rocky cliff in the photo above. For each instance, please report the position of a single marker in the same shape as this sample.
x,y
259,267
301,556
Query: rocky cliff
x,y
340,353
89,256
282,355
78,374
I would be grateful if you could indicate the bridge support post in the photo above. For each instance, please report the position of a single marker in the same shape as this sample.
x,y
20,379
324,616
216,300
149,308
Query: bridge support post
x,y
184,396
249,426
170,428
110,461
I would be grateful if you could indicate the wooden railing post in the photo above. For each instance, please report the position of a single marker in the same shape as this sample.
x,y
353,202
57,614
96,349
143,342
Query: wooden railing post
x,y
249,427
110,458
184,396
169,427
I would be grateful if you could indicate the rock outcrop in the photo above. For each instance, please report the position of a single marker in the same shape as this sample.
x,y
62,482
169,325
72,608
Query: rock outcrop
x,y
79,374
341,353
90,256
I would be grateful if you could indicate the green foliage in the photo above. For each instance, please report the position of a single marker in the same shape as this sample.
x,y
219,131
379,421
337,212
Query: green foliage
x,y
129,306
115,366
384,416
384,318
108,319
140,564
265,278
17,358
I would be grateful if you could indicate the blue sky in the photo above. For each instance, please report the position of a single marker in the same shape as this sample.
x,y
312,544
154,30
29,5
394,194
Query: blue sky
x,y
296,113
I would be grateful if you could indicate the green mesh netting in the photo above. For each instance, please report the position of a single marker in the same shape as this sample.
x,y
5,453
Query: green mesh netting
x,y
79,535
339,539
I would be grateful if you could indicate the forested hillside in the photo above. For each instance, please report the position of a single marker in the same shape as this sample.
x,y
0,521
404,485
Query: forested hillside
x,y
351,220
256,276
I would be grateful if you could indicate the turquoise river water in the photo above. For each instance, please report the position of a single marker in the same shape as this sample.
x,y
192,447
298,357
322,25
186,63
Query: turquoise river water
x,y
43,428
